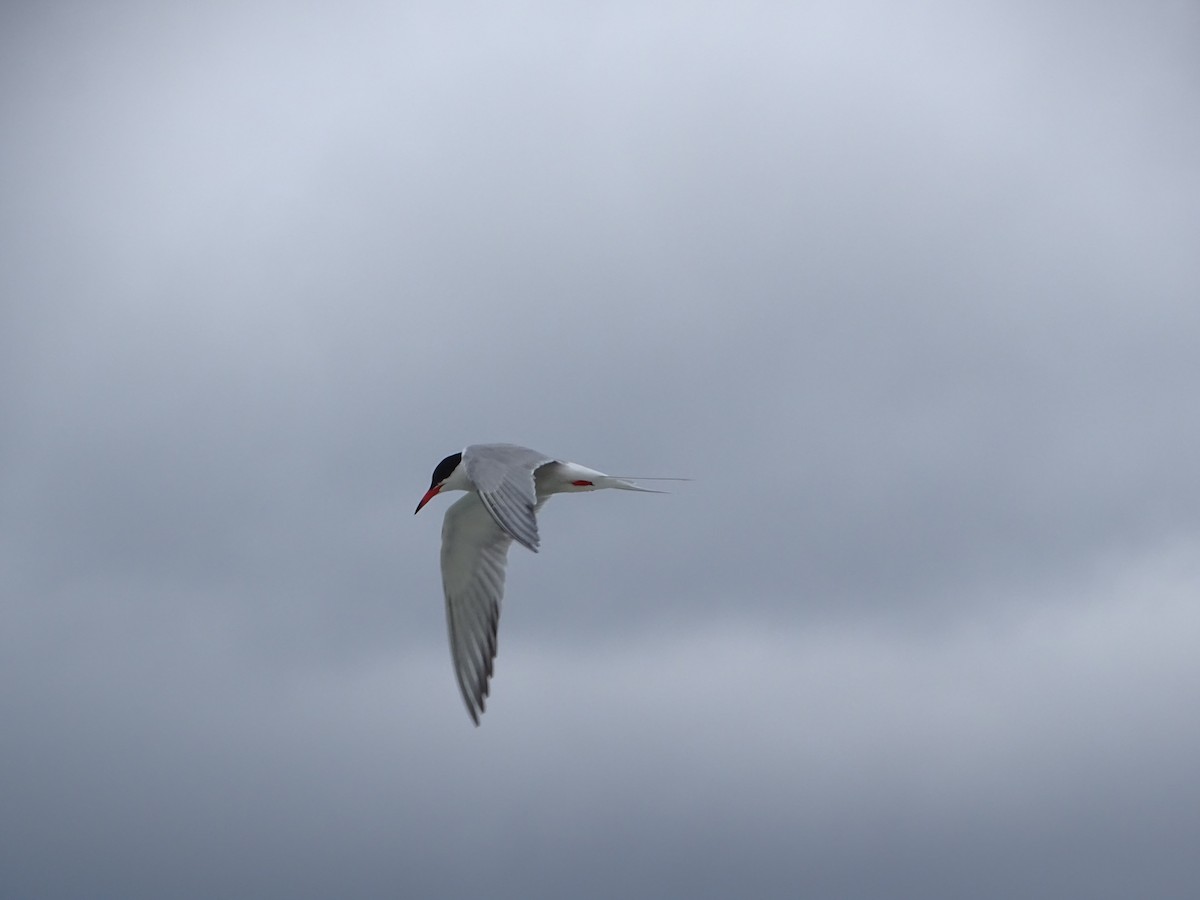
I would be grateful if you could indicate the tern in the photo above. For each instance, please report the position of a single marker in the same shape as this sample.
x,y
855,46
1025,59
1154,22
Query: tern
x,y
506,485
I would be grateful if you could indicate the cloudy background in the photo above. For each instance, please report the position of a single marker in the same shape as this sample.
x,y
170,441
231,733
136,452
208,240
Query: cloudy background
x,y
910,290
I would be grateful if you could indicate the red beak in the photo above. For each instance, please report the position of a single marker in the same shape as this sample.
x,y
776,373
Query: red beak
x,y
429,495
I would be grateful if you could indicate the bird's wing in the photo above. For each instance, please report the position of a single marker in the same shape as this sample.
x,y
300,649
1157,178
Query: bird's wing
x,y
503,476
474,557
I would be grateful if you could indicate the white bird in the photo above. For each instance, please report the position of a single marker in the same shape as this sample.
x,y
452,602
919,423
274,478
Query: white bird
x,y
506,485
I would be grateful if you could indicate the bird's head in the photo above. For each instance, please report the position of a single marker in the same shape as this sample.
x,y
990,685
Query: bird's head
x,y
441,475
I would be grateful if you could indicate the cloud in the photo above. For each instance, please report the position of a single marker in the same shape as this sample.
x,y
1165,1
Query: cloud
x,y
910,296
840,756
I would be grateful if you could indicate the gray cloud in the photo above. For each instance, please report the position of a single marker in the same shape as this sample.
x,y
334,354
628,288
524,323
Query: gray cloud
x,y
911,296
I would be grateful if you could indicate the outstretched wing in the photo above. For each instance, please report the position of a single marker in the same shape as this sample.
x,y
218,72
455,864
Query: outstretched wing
x,y
503,476
474,559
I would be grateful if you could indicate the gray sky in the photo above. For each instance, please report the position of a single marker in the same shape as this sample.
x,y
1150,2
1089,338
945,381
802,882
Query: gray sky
x,y
910,291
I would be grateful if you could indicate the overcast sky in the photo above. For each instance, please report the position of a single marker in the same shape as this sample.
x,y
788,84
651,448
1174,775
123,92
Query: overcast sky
x,y
912,291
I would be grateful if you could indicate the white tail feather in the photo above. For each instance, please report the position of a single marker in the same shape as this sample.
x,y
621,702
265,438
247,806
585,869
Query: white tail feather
x,y
622,484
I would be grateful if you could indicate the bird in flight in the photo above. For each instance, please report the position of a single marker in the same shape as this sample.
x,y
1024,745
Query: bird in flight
x,y
506,485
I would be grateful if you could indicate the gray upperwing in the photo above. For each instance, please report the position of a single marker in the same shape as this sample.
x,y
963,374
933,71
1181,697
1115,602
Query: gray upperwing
x,y
503,477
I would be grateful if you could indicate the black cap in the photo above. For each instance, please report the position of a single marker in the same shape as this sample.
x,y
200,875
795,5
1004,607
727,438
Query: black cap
x,y
444,468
